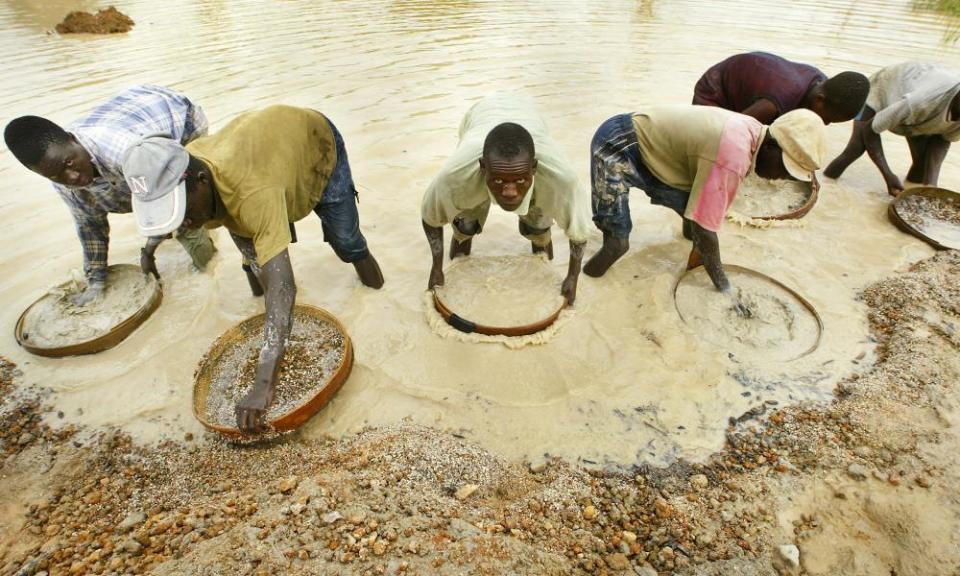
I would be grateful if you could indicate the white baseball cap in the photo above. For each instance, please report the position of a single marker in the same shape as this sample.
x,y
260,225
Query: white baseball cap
x,y
154,169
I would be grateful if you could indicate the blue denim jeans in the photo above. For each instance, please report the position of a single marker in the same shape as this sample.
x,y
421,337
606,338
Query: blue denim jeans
x,y
615,167
338,209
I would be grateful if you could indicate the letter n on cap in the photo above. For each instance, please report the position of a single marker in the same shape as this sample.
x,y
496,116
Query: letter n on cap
x,y
138,185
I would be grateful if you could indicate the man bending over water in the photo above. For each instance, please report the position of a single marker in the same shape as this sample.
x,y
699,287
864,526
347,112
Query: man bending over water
x,y
917,100
506,154
692,160
765,86
84,162
264,170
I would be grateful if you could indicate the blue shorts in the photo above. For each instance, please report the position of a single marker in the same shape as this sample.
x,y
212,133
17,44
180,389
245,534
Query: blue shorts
x,y
338,209
615,167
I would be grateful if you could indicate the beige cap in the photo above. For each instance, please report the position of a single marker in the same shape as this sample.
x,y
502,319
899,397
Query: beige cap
x,y
803,139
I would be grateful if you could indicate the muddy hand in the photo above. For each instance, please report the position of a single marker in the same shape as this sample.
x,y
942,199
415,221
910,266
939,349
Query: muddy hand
x,y
436,278
148,263
91,293
252,410
736,304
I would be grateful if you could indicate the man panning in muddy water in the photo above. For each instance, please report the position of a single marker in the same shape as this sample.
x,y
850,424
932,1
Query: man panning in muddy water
x,y
264,170
84,163
692,160
505,154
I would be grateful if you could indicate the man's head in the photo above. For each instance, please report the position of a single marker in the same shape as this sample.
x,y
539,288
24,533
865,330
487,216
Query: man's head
x,y
156,170
508,164
840,98
794,147
49,150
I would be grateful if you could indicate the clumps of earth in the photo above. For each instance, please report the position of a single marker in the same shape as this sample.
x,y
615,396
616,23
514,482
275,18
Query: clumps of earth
x,y
863,485
106,21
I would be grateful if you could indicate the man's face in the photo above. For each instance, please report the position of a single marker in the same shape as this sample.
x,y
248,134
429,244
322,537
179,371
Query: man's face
x,y
508,179
199,201
68,164
820,108
770,161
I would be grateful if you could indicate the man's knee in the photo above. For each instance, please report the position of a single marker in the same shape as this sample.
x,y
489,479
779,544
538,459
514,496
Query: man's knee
x,y
350,250
540,237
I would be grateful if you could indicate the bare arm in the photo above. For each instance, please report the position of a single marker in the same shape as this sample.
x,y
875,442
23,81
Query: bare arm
x,y
569,286
148,263
435,239
707,245
276,276
763,110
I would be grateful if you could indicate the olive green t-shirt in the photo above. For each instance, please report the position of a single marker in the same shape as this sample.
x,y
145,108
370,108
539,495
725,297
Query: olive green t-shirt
x,y
270,168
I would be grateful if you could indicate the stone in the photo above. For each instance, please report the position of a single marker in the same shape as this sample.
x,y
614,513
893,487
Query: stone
x,y
699,481
618,562
132,520
466,491
858,471
787,560
288,485
646,570
331,517
25,439
132,547
629,537
590,512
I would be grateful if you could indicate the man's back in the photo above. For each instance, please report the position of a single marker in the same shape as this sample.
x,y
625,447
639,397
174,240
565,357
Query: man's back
x,y
740,80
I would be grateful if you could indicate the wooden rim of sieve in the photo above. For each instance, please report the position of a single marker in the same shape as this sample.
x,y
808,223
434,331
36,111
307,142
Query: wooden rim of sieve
x,y
103,342
806,304
903,225
296,416
467,326
799,212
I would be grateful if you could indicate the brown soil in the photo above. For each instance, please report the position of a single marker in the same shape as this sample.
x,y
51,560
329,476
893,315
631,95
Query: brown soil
x,y
106,21
863,486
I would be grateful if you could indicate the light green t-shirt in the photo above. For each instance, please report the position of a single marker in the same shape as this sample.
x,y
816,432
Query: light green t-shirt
x,y
270,168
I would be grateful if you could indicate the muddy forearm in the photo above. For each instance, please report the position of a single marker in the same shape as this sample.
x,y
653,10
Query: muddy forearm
x,y
708,245
576,258
874,146
280,293
435,239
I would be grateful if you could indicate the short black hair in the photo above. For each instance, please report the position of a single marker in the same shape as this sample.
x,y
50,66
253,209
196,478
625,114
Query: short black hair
x,y
28,138
508,140
846,93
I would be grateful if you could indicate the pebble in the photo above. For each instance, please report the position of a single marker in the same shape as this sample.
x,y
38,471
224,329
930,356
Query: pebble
x,y
466,491
134,518
787,560
288,485
646,570
133,547
618,562
629,537
858,471
699,481
331,517
590,512
25,439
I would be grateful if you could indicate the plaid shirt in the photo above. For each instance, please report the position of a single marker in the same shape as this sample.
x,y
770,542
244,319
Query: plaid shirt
x,y
107,133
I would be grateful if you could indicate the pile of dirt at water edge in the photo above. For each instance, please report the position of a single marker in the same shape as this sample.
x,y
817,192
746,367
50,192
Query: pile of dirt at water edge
x,y
106,21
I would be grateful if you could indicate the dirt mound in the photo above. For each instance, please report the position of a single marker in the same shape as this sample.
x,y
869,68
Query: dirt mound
x,y
106,21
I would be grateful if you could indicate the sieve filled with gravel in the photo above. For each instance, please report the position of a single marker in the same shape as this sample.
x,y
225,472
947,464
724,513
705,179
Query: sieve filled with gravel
x,y
932,214
317,361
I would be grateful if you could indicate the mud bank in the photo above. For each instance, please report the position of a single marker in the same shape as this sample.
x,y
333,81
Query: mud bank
x,y
864,485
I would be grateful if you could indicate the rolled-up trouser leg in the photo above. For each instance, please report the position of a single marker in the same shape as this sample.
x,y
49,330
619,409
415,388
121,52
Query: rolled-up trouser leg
x,y
469,223
337,209
198,244
535,227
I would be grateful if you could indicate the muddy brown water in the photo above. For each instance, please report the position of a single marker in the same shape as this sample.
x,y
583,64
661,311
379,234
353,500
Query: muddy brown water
x,y
624,381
